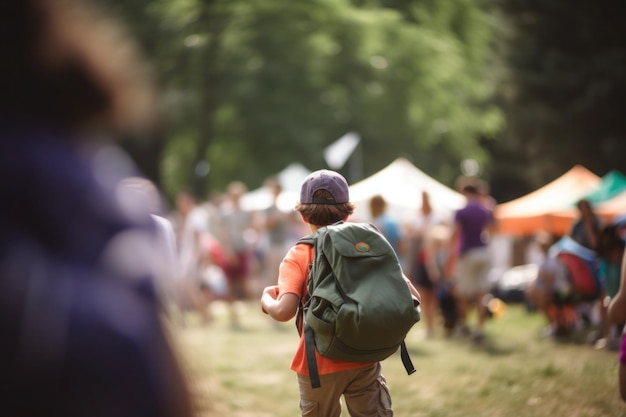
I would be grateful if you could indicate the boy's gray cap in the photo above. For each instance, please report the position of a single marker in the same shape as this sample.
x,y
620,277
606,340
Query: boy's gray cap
x,y
324,179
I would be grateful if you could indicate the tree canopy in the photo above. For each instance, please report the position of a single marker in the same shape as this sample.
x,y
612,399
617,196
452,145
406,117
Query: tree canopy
x,y
253,86
527,88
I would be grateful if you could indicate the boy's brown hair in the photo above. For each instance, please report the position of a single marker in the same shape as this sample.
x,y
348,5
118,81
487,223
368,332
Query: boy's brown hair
x,y
324,214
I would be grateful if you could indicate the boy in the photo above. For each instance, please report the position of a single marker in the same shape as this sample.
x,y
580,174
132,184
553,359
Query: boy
x,y
324,200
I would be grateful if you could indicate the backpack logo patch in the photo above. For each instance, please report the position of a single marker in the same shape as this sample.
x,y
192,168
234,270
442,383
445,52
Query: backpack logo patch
x,y
362,247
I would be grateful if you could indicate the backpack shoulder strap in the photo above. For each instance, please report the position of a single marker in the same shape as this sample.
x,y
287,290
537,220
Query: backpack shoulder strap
x,y
309,340
307,240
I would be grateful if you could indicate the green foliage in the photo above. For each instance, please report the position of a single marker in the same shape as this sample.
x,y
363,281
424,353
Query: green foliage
x,y
253,86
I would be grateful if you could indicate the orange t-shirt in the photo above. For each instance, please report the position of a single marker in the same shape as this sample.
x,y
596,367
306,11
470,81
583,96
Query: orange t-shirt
x,y
292,278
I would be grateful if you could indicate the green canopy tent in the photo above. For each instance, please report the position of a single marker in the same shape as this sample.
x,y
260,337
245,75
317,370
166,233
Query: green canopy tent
x,y
612,184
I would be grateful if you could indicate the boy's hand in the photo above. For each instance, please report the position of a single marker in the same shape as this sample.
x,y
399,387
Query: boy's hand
x,y
281,306
271,292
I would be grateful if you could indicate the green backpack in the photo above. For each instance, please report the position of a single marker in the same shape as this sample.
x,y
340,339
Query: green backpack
x,y
358,307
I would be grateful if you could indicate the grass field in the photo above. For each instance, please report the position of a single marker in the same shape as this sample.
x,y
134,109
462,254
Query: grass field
x,y
516,372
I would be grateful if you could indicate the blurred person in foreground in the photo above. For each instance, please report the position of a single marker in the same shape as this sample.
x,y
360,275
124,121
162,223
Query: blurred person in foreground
x,y
137,194
617,315
79,318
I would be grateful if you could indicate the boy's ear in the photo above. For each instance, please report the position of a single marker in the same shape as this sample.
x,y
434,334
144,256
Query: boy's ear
x,y
303,219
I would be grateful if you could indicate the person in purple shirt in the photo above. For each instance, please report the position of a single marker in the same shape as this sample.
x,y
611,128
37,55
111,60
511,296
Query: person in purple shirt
x,y
469,260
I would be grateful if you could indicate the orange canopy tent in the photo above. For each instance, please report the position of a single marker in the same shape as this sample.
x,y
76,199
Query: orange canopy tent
x,y
550,208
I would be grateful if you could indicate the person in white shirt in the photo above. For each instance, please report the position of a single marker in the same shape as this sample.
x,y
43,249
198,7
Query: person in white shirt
x,y
191,226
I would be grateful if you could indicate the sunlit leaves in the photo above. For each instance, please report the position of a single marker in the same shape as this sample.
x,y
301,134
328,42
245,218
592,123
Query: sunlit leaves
x,y
284,79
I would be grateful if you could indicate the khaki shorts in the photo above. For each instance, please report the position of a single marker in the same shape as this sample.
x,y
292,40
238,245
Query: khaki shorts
x,y
364,390
472,275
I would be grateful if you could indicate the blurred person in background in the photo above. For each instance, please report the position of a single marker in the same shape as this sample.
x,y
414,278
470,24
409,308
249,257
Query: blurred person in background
x,y
276,225
586,229
421,274
610,253
276,230
191,224
235,237
485,195
436,247
469,260
551,289
79,317
578,250
387,226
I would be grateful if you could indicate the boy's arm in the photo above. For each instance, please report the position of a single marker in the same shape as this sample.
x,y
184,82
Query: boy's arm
x,y
281,307
413,290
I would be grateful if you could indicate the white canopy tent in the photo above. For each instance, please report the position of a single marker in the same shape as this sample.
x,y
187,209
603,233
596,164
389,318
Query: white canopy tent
x,y
401,184
290,179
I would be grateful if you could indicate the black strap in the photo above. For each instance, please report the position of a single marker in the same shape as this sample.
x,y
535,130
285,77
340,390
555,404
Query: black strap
x,y
406,359
309,348
309,340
